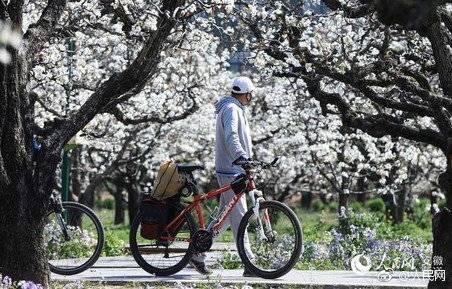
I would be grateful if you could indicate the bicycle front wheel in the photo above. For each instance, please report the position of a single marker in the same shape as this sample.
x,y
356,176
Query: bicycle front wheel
x,y
74,238
270,248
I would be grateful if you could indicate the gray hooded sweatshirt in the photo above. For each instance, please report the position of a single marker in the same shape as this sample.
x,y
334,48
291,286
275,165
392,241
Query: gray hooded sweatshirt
x,y
233,137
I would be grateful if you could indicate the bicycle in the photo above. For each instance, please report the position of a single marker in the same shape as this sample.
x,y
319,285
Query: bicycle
x,y
75,237
275,236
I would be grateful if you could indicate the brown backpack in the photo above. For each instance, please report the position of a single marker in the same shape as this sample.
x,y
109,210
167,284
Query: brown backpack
x,y
168,182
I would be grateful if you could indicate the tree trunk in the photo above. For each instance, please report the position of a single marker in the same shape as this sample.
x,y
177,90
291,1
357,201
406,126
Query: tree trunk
x,y
399,209
22,215
361,187
25,186
342,209
442,233
23,257
119,206
306,199
323,198
390,205
343,201
361,198
442,249
433,203
87,198
133,203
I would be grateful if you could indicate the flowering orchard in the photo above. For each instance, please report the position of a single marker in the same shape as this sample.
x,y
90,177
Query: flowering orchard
x,y
353,97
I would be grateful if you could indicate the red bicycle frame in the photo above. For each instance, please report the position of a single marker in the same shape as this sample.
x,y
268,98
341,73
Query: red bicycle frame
x,y
199,199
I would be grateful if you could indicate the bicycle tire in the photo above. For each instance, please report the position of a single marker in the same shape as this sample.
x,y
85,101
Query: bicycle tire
x,y
84,211
134,248
295,253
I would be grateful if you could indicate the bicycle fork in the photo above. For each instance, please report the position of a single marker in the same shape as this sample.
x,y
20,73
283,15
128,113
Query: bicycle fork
x,y
63,226
256,206
57,207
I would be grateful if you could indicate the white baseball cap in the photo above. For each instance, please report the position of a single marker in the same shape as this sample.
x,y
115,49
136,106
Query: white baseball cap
x,y
242,84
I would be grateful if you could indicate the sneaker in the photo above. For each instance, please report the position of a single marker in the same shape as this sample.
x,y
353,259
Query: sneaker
x,y
200,267
248,273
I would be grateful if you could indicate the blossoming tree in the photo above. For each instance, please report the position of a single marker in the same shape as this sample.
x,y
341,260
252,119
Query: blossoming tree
x,y
27,176
382,67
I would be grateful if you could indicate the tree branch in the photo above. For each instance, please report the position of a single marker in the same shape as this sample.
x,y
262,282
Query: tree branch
x,y
119,115
443,55
119,13
46,108
40,32
350,12
15,11
149,148
119,83
375,125
4,15
268,137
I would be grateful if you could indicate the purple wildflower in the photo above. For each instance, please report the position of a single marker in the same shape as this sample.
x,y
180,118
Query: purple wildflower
x,y
29,285
7,281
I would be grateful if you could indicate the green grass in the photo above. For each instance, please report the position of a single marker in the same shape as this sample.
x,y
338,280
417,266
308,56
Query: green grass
x,y
107,218
315,224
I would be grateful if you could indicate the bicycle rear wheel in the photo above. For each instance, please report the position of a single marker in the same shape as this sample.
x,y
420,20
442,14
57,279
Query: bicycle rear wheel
x,y
165,256
274,250
75,238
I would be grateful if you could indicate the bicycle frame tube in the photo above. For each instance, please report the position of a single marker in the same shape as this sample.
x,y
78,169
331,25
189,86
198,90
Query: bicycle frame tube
x,y
225,214
198,199
250,187
196,205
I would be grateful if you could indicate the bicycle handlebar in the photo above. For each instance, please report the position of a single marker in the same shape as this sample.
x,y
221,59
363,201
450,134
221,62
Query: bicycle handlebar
x,y
249,164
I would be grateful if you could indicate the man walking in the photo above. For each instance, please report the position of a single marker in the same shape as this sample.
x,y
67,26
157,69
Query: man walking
x,y
232,143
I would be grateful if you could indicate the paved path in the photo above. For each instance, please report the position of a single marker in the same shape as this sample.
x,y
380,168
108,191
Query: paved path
x,y
124,269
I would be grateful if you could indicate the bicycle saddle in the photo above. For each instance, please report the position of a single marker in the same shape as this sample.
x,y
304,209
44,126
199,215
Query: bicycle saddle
x,y
186,168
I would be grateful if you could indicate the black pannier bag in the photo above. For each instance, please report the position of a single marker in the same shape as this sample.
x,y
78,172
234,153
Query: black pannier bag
x,y
155,216
239,184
